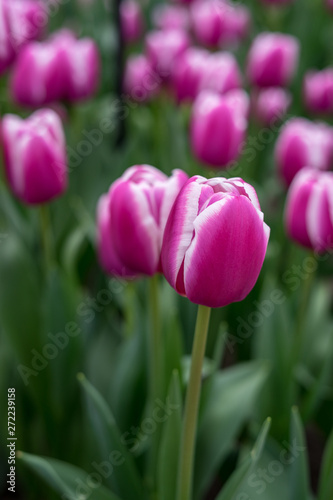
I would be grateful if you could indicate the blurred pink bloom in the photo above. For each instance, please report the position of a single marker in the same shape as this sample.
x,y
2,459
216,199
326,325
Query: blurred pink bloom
x,y
272,59
218,23
132,23
218,126
215,241
131,219
62,68
309,209
140,80
302,143
163,48
318,91
270,103
174,17
35,156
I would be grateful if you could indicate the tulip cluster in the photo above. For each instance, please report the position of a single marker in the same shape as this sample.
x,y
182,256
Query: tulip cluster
x,y
35,156
20,22
150,223
309,210
62,68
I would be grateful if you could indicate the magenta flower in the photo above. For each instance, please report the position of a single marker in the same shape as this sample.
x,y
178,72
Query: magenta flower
x,y
63,68
270,103
132,218
272,59
302,143
35,156
318,91
309,209
140,81
132,23
218,126
171,17
215,241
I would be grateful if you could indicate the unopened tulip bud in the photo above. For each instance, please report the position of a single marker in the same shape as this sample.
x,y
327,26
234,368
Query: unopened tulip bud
x,y
270,104
141,82
318,91
132,24
215,241
35,156
171,17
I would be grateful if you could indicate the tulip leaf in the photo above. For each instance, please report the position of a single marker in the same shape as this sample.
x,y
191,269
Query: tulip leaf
x,y
170,441
125,477
299,475
70,481
229,401
326,475
243,471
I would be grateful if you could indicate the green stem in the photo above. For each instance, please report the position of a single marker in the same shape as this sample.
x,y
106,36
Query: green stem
x,y
46,236
185,477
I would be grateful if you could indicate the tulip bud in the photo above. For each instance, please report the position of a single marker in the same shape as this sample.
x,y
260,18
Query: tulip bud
x,y
63,68
131,19
309,209
132,218
318,91
271,104
272,59
35,156
218,126
217,23
302,143
188,73
171,17
215,241
140,81
7,53
221,73
163,48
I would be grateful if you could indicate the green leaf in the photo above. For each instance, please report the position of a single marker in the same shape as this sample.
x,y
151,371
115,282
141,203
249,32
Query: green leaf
x,y
228,402
326,474
244,470
169,447
125,477
70,481
299,474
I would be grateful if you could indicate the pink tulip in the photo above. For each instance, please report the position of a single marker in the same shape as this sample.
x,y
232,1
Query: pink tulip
x,y
140,81
271,103
171,17
35,156
132,218
215,241
218,23
309,209
221,73
62,68
302,143
318,91
218,126
188,73
272,59
20,22
163,48
131,21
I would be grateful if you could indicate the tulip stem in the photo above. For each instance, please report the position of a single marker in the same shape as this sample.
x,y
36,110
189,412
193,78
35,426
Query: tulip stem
x,y
46,236
185,472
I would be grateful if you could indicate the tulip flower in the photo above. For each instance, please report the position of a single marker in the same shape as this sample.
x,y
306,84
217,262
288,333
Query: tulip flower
x,y
302,143
318,91
171,17
217,23
35,156
131,19
221,73
140,81
272,60
163,48
309,209
132,218
62,68
271,103
20,22
218,126
215,241
188,73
